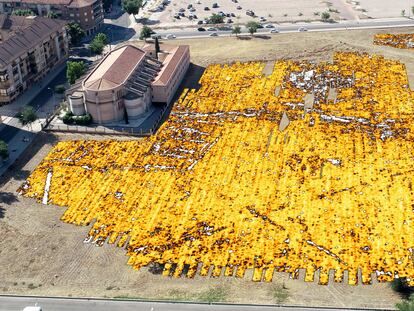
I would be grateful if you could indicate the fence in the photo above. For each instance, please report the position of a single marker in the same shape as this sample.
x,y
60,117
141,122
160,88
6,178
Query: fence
x,y
97,130
49,127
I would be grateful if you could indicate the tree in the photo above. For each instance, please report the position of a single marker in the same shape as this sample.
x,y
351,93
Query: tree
x,y
4,150
27,115
216,19
236,30
74,71
52,15
407,305
96,46
157,46
102,37
146,32
23,12
403,13
98,43
132,6
412,9
325,16
76,33
252,26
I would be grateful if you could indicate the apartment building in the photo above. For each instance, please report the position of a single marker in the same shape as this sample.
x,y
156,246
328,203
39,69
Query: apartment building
x,y
29,48
87,13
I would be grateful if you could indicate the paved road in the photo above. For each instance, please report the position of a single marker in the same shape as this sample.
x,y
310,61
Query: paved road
x,y
363,24
57,304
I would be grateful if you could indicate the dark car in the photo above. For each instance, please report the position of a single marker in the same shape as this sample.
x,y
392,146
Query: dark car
x,y
201,29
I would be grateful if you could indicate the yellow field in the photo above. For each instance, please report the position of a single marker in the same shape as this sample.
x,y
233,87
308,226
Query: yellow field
x,y
401,41
220,185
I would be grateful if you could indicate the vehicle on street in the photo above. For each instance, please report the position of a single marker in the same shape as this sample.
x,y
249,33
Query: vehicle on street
x,y
213,34
211,29
170,36
269,26
201,29
301,29
274,30
33,308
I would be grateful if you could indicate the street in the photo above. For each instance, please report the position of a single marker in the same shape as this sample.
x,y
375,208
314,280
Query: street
x,y
62,304
291,28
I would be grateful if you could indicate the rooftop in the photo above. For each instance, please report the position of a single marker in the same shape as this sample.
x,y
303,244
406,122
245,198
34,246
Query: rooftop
x,y
115,68
24,33
170,61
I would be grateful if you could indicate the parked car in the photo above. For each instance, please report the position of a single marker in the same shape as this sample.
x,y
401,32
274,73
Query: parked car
x,y
200,23
206,8
211,29
201,29
215,5
239,7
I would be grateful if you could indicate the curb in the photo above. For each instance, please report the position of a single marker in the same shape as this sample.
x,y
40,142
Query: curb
x,y
138,300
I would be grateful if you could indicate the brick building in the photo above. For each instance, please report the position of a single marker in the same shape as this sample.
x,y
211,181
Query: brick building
x,y
29,48
87,13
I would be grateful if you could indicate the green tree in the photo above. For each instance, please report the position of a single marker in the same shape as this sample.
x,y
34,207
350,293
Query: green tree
x,y
98,43
52,15
76,33
325,16
132,6
23,12
407,305
102,37
145,33
216,19
4,150
74,71
96,46
412,9
252,26
236,30
27,115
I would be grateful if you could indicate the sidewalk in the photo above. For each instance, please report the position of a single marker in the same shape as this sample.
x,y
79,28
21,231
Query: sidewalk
x,y
17,136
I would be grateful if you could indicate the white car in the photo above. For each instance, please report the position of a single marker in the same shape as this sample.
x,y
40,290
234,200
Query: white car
x,y
170,36
211,29
274,30
301,29
213,34
269,26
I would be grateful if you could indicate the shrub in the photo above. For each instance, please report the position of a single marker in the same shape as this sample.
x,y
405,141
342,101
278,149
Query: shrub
x,y
68,118
82,120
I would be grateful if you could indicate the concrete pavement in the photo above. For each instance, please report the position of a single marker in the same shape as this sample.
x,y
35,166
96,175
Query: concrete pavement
x,y
10,303
17,136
